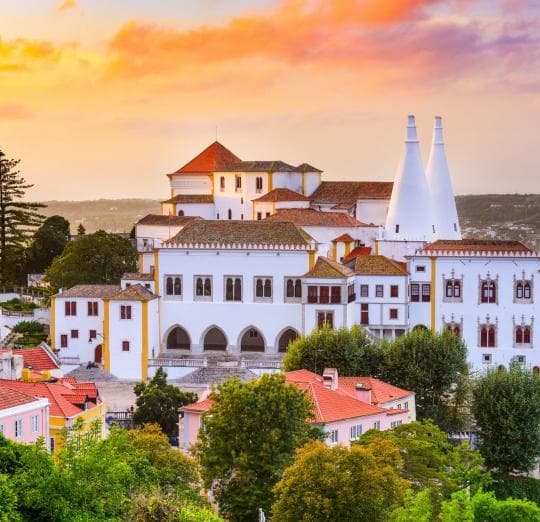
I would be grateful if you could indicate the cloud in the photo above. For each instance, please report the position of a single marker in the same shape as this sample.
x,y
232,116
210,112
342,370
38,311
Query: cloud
x,y
66,5
13,112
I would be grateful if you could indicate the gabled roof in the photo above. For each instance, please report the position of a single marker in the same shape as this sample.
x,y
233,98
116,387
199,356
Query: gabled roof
x,y
315,218
327,269
348,192
134,293
95,291
306,167
202,405
137,276
378,265
10,397
214,158
37,359
344,238
381,392
241,233
476,245
163,220
190,198
258,166
281,194
357,251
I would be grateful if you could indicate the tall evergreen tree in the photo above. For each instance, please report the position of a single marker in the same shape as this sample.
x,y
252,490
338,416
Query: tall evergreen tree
x,y
18,218
49,241
81,231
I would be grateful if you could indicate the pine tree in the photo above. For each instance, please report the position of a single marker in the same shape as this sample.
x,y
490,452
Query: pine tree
x,y
81,231
18,218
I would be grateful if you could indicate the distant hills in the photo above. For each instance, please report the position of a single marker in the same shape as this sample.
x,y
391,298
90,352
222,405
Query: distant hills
x,y
506,216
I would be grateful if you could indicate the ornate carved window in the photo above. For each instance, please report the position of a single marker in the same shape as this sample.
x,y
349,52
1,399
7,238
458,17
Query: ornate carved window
x,y
488,291
487,333
453,289
523,289
523,333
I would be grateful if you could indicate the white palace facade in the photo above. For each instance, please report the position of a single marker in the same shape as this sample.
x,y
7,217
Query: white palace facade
x,y
248,255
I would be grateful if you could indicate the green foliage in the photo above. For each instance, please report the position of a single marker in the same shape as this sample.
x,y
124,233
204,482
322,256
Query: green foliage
x,y
506,407
160,403
416,508
98,258
338,483
248,438
430,462
434,366
30,327
8,501
81,231
18,218
48,242
504,486
16,305
352,352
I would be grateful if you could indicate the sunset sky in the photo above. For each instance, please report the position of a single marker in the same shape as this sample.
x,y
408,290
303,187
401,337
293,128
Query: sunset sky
x,y
101,98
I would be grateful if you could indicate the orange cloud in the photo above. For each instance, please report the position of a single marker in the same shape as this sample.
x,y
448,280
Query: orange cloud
x,y
67,4
13,112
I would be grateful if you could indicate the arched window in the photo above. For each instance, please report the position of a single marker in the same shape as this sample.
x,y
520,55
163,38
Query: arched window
x,y
527,290
290,288
177,286
286,338
252,341
259,288
457,289
268,288
237,289
180,212
483,337
178,339
207,287
169,286
519,335
215,340
229,292
488,292
527,335
491,337
229,214
298,288
449,289
199,290
519,290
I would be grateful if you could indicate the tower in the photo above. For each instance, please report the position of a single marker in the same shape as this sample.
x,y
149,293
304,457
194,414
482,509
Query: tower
x,y
440,186
410,214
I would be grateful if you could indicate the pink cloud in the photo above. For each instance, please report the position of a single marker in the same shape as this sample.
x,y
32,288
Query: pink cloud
x,y
13,112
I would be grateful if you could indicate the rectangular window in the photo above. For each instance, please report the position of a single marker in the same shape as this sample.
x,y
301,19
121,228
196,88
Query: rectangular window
x,y
395,424
364,313
258,184
92,334
35,423
420,268
238,183
125,312
125,346
364,290
93,308
74,334
63,341
268,214
293,289
351,295
333,435
222,183
70,308
394,291
426,293
336,294
173,286
263,289
377,425
325,319
356,431
415,292
406,405
324,294
18,429
312,294
233,288
393,313
379,291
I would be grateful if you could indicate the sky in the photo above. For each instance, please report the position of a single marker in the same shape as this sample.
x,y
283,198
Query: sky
x,y
102,98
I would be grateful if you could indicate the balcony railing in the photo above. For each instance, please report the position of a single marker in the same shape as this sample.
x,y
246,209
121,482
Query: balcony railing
x,y
178,363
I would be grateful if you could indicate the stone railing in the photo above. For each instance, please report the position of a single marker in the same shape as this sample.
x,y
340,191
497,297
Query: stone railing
x,y
178,363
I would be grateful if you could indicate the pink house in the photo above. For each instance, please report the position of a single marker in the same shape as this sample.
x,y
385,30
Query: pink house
x,y
23,418
344,407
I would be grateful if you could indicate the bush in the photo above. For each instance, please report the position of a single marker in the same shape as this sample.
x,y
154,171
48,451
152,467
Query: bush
x,y
29,327
16,305
505,486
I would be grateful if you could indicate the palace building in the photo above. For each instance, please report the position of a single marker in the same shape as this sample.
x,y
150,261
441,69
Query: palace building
x,y
248,255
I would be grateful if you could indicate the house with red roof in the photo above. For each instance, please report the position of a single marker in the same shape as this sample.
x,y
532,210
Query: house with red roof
x,y
344,407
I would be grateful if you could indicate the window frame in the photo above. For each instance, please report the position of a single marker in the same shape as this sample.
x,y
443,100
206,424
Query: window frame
x,y
18,429
393,312
394,291
92,308
126,346
425,293
296,283
34,423
126,312
327,314
264,280
222,183
174,279
379,291
234,279
364,290
204,297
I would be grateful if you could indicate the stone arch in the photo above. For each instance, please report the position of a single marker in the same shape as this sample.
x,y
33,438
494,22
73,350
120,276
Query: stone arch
x,y
251,340
285,337
177,338
214,338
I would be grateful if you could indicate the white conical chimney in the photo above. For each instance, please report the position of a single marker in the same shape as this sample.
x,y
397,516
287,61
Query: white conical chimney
x,y
440,185
410,214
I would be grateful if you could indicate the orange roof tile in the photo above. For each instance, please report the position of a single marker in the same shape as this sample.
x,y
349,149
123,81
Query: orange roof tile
x,y
344,238
326,268
37,359
378,265
381,392
348,192
214,158
165,221
315,218
358,251
10,397
134,293
203,405
476,245
281,194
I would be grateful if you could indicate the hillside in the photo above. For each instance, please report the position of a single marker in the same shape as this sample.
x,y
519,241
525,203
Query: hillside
x,y
507,216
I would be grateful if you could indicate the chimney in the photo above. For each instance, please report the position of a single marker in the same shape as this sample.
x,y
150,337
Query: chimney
x,y
440,186
330,378
363,393
410,213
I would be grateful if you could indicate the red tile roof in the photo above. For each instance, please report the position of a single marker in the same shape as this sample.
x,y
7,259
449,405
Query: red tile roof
x,y
358,251
281,194
476,245
134,293
378,265
63,396
348,192
381,392
315,218
203,405
344,238
9,397
326,268
37,358
214,158
191,198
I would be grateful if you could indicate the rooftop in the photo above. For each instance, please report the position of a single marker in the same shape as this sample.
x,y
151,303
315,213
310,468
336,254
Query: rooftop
x,y
10,397
97,291
378,265
381,392
281,194
134,293
344,238
344,193
163,220
191,198
315,218
37,359
357,251
137,276
214,158
241,233
258,166
476,245
327,269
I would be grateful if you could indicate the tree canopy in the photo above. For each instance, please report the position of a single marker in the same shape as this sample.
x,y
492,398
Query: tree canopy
x,y
159,402
48,242
248,438
506,408
99,258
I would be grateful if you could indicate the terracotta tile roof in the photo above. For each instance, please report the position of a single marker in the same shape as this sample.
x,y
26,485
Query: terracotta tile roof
x,y
378,265
314,218
96,291
10,397
344,238
358,251
381,392
326,268
191,198
203,405
138,276
214,158
349,192
62,396
162,220
306,167
258,166
134,293
476,245
281,194
239,233
37,358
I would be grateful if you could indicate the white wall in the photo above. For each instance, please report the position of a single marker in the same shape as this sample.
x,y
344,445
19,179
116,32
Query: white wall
x,y
372,211
191,184
325,235
397,250
204,210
